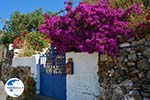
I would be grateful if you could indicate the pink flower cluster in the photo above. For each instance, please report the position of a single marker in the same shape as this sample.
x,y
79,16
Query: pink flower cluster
x,y
89,28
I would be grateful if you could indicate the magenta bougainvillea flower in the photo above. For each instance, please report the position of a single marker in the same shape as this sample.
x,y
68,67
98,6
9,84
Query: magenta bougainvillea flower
x,y
89,28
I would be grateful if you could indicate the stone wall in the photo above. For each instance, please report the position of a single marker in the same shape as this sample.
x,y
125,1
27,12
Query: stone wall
x,y
128,74
6,63
83,83
21,72
1,52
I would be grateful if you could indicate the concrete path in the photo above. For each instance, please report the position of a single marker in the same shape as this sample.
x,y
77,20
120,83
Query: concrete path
x,y
45,98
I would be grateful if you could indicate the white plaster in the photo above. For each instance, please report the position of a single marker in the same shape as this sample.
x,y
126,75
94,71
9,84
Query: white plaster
x,y
83,84
27,61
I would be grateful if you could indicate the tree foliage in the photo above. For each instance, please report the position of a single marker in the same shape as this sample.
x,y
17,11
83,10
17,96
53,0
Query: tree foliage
x,y
21,22
25,22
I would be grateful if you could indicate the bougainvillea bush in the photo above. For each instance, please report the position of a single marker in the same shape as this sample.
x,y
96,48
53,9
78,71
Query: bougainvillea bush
x,y
140,23
89,27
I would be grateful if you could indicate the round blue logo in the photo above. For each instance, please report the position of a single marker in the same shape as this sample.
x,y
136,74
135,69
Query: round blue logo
x,y
14,87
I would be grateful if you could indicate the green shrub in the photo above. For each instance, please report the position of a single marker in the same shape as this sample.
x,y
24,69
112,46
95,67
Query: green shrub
x,y
30,43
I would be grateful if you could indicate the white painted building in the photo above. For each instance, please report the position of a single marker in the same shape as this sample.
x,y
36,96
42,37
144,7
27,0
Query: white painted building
x,y
82,85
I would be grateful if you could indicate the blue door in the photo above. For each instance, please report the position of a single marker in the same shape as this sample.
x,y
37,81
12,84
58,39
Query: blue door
x,y
53,75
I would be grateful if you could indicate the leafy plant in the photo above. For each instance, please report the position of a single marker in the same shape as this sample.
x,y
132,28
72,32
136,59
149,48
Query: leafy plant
x,y
18,42
91,1
37,40
5,38
26,49
1,35
30,90
140,23
123,3
19,23
146,3
31,43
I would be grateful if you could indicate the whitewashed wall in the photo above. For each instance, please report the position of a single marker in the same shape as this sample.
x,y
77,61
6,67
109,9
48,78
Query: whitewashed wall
x,y
32,62
83,84
27,61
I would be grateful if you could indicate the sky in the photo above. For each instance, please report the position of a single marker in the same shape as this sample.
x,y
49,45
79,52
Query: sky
x,y
7,7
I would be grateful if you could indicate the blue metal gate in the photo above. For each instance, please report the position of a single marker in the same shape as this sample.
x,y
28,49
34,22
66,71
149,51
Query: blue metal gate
x,y
53,75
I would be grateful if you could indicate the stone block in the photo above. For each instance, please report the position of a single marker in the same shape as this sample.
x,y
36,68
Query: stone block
x,y
137,43
131,63
141,75
143,64
131,39
123,45
148,75
136,95
147,43
127,83
103,57
132,57
146,53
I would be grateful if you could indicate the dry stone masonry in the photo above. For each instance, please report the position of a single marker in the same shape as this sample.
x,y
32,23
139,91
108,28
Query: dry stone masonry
x,y
7,72
19,72
128,74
